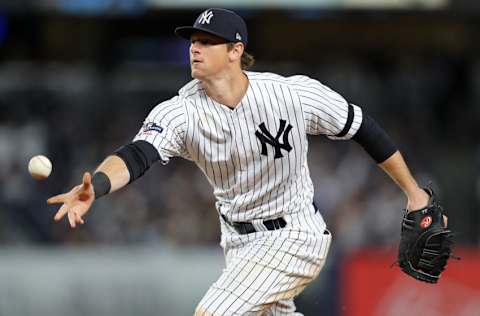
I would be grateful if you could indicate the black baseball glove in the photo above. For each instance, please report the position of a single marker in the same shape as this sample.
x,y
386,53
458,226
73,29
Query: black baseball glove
x,y
425,243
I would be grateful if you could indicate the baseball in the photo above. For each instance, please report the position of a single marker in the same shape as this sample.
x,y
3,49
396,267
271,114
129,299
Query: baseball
x,y
39,167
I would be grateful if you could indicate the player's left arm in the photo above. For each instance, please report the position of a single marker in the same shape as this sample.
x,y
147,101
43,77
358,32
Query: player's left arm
x,y
426,242
378,144
397,169
327,112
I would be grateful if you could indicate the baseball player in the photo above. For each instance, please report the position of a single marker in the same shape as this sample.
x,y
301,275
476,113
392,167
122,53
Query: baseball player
x,y
247,132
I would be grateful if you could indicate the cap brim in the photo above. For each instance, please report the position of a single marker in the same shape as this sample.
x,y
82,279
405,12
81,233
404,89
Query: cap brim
x,y
187,31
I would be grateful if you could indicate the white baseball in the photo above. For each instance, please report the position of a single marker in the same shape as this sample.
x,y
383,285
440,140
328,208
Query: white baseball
x,y
39,167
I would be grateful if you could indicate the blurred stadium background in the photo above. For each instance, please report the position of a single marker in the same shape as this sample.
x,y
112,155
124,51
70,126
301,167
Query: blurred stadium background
x,y
78,77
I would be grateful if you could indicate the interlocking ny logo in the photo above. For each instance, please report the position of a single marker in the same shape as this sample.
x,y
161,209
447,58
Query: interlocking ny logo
x,y
267,138
206,17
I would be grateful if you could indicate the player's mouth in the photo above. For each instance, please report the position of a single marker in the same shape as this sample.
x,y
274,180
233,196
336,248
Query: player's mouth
x,y
196,61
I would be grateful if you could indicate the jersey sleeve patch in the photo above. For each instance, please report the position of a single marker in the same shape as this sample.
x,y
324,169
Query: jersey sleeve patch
x,y
163,128
150,128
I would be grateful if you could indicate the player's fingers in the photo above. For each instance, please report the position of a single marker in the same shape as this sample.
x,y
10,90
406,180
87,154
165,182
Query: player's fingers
x,y
445,221
87,180
61,212
71,219
78,218
61,198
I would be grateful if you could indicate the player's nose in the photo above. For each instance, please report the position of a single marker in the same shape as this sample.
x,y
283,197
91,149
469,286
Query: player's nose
x,y
195,47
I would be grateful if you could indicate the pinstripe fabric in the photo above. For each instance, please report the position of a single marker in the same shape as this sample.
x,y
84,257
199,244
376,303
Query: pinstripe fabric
x,y
266,270
222,141
255,158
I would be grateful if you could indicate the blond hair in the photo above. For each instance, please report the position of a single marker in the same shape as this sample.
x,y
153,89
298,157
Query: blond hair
x,y
247,59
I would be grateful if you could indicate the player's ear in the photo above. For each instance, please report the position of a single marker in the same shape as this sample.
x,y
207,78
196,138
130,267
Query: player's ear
x,y
236,51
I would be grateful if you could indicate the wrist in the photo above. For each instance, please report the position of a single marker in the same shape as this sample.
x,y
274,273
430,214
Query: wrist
x,y
101,184
417,199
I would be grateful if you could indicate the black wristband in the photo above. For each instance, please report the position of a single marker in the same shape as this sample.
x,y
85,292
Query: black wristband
x,y
101,184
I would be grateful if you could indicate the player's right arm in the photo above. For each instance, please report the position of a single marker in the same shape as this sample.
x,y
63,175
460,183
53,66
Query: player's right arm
x,y
158,140
115,172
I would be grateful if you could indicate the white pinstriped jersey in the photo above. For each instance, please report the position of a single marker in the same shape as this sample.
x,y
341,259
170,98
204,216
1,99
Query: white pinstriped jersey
x,y
254,156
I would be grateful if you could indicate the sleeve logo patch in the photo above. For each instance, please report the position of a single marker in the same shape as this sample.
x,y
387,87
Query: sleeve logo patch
x,y
151,127
426,221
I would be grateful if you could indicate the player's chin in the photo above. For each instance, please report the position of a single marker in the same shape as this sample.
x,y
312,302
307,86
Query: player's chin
x,y
196,73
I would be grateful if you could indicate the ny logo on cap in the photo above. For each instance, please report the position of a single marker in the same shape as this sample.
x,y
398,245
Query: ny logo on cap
x,y
206,17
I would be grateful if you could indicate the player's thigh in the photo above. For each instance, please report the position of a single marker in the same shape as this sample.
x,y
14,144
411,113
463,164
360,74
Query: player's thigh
x,y
235,293
247,287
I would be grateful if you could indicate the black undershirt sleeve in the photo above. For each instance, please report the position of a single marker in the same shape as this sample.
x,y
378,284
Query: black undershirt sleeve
x,y
374,140
138,156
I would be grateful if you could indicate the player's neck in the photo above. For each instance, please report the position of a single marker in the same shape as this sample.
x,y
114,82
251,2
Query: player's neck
x,y
228,89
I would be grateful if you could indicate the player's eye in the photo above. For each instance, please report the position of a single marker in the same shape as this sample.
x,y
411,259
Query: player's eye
x,y
202,41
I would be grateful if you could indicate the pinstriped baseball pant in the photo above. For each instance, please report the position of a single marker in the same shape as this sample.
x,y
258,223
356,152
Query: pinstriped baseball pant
x,y
266,270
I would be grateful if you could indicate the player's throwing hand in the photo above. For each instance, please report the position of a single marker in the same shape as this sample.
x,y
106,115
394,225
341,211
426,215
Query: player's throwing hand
x,y
76,202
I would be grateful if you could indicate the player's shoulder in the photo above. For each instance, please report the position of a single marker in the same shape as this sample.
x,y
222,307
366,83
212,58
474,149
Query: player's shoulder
x,y
293,80
190,90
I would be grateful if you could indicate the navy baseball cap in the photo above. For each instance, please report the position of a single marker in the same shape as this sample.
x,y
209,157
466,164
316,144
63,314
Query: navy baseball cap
x,y
220,22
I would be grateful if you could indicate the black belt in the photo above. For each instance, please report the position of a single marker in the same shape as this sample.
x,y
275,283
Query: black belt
x,y
244,228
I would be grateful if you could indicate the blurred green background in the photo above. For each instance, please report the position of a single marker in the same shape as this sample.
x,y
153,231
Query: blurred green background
x,y
77,79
